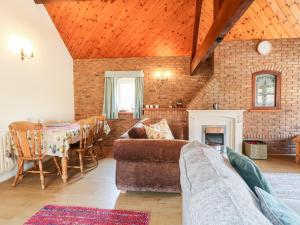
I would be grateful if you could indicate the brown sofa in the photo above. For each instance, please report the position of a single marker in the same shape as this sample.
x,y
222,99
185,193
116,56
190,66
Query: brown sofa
x,y
147,164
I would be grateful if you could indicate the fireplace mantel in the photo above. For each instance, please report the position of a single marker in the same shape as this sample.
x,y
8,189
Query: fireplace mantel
x,y
232,120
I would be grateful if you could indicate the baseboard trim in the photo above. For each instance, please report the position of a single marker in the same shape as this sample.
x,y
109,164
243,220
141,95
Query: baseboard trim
x,y
284,154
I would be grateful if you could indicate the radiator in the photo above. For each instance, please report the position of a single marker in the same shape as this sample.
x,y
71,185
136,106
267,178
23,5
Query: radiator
x,y
6,162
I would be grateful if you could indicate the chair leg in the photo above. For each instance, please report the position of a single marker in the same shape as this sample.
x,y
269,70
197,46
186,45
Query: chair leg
x,y
41,174
22,171
57,165
81,163
101,151
94,158
19,173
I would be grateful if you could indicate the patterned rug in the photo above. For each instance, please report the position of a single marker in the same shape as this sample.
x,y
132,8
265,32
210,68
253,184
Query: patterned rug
x,y
65,215
285,185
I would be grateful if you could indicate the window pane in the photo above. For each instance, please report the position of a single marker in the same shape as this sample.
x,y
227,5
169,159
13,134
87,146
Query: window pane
x,y
265,90
126,94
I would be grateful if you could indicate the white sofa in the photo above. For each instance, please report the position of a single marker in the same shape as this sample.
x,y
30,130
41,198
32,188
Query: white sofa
x,y
214,193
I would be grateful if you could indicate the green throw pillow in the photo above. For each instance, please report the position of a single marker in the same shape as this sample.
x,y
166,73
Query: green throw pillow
x,y
277,212
249,171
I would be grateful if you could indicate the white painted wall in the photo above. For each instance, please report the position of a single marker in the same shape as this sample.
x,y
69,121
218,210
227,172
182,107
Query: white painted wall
x,y
40,88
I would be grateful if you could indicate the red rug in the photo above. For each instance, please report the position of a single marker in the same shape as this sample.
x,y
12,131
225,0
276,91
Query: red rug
x,y
57,215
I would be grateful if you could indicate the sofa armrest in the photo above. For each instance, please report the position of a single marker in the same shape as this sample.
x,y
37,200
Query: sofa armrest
x,y
148,150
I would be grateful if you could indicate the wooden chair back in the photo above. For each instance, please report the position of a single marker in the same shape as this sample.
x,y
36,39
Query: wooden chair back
x,y
27,138
87,132
100,126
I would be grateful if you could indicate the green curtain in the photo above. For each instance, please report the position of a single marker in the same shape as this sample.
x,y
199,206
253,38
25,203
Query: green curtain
x,y
139,97
110,101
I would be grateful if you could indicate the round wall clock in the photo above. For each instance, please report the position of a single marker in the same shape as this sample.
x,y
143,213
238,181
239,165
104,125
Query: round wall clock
x,y
264,47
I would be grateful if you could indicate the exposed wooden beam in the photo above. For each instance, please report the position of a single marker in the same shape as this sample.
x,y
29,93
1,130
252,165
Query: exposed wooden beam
x,y
51,1
229,13
217,7
196,26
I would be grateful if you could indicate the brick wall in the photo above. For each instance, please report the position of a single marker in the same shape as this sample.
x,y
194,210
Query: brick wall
x,y
229,84
231,87
174,115
89,82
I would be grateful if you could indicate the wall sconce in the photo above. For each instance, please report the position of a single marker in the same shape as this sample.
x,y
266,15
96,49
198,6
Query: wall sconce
x,y
26,55
162,76
22,47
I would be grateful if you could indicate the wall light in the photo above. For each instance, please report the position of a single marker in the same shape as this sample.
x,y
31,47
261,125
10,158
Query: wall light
x,y
22,47
162,76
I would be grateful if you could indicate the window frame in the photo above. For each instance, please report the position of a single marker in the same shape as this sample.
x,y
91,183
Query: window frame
x,y
277,90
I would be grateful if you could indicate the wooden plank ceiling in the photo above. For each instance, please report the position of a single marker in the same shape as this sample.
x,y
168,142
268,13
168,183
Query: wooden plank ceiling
x,y
138,28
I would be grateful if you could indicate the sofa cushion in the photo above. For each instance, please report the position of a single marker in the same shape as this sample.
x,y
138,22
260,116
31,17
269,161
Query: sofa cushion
x,y
163,127
153,133
276,211
137,131
213,192
248,171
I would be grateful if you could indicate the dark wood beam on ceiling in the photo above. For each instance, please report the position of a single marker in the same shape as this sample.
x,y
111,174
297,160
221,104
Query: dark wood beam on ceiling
x,y
196,26
217,7
229,13
52,1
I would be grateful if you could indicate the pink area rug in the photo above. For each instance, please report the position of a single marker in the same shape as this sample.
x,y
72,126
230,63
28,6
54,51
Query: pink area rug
x,y
56,215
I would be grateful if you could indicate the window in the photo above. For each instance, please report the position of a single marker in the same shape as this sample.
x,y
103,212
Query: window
x,y
266,90
126,94
123,92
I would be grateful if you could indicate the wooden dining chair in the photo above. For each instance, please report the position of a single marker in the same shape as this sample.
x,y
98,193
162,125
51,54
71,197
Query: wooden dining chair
x,y
99,135
86,147
27,140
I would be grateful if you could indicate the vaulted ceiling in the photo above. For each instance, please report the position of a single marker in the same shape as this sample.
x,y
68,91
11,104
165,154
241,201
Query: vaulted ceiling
x,y
137,28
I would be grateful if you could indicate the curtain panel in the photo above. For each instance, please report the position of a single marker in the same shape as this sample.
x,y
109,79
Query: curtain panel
x,y
139,97
110,101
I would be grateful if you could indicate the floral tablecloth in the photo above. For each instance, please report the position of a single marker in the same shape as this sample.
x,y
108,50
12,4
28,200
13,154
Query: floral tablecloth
x,y
57,139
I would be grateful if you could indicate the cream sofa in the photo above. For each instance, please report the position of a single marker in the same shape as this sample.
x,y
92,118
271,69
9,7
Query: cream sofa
x,y
214,193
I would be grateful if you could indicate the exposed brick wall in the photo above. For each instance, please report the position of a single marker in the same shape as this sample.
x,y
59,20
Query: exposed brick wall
x,y
89,84
231,87
89,81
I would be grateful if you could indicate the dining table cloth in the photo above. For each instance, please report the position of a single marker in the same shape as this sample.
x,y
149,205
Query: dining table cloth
x,y
57,138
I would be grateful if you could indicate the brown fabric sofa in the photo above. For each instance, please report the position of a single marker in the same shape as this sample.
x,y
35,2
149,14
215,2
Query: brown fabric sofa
x,y
147,164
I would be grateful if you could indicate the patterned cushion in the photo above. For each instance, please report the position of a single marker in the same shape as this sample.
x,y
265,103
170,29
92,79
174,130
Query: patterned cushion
x,y
249,171
213,192
153,133
277,212
164,127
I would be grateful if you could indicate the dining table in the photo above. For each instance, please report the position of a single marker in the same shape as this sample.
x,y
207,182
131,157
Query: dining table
x,y
57,138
